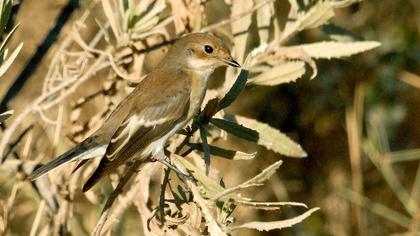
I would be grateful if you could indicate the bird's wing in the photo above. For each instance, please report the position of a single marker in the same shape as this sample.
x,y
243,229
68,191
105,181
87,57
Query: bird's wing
x,y
140,128
143,125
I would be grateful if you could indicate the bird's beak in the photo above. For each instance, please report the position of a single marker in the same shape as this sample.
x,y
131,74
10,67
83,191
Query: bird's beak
x,y
231,62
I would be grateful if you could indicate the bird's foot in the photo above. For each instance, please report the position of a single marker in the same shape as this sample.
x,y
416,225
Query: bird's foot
x,y
174,168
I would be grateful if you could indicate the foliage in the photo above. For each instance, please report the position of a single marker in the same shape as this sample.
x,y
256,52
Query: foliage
x,y
6,60
123,36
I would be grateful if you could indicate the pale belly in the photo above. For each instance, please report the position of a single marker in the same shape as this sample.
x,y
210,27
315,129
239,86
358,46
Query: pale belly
x,y
157,147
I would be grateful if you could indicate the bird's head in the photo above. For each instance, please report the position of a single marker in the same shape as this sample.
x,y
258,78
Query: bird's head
x,y
200,51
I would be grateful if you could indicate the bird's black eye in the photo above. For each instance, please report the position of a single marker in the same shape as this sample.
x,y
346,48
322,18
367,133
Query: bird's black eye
x,y
208,49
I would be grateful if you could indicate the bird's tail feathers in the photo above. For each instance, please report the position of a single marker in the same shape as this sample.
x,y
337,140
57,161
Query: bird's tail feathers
x,y
85,150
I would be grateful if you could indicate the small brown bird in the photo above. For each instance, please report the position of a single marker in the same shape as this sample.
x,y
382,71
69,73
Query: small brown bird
x,y
161,104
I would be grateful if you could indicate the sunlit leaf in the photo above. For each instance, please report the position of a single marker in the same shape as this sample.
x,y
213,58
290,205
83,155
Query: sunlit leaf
x,y
264,15
316,16
240,28
268,205
10,59
257,180
7,38
265,174
113,17
5,115
266,226
271,138
212,187
226,153
333,49
279,74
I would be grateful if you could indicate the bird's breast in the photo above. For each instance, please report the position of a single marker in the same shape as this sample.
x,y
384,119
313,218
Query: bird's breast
x,y
198,91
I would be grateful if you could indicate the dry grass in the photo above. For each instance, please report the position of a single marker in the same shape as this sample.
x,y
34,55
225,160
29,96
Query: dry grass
x,y
111,46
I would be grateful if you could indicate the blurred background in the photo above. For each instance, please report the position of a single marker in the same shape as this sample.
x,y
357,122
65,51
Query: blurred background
x,y
358,121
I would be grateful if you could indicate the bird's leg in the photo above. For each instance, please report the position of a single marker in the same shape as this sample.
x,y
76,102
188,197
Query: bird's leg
x,y
163,159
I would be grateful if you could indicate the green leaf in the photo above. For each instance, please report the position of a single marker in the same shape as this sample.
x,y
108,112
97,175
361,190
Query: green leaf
x,y
279,74
5,115
270,137
7,38
234,90
5,15
206,148
226,153
340,34
236,129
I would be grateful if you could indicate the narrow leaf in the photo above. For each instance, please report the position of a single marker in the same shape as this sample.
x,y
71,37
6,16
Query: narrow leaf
x,y
6,10
5,115
212,187
316,16
340,34
298,21
236,129
7,38
240,28
406,155
255,181
267,226
334,49
279,74
264,15
8,62
229,154
234,90
206,148
265,174
270,137
269,205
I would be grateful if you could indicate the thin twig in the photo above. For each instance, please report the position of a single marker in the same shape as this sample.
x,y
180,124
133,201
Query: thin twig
x,y
236,17
162,195
37,220
354,114
107,208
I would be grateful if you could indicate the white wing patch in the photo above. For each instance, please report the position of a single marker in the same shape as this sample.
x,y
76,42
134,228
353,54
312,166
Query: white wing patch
x,y
131,126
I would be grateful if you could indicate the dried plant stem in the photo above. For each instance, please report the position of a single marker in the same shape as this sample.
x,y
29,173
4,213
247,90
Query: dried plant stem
x,y
236,17
9,205
213,226
107,208
165,182
377,208
354,114
68,87
37,220
415,191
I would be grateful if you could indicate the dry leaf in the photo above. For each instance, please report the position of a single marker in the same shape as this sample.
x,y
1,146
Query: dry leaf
x,y
270,137
333,49
266,226
285,72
